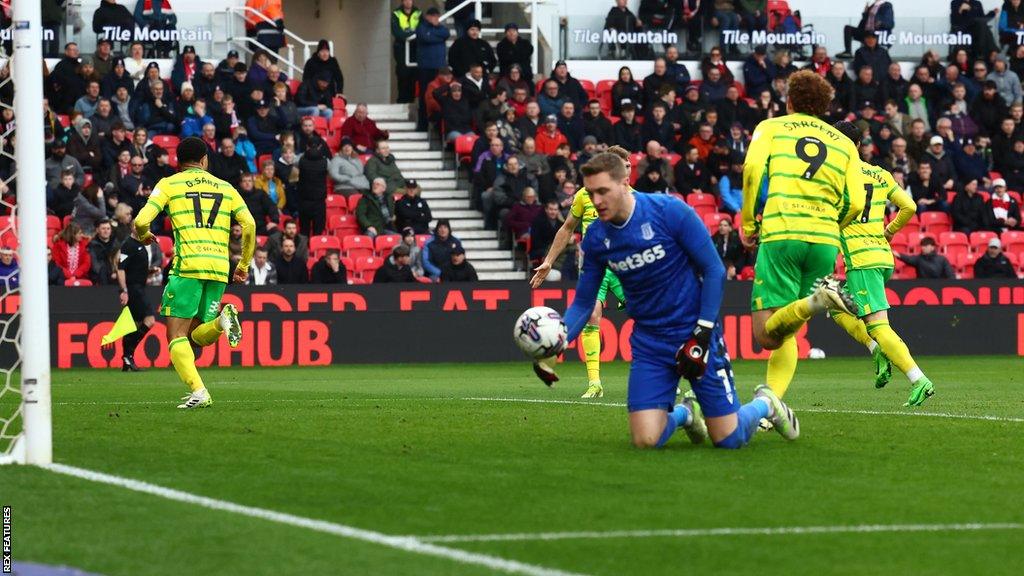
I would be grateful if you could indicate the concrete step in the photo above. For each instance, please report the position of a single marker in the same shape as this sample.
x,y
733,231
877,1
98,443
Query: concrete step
x,y
399,146
396,126
481,245
449,204
475,255
477,233
429,183
427,175
413,165
491,265
405,136
462,224
377,109
453,214
432,195
404,155
510,276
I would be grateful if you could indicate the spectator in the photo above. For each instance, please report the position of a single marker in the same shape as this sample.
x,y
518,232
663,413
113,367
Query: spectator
x,y
714,87
322,62
926,190
225,119
430,56
1007,82
596,124
412,211
730,249
522,214
312,192
110,19
872,55
929,263
725,18
118,171
531,161
415,254
969,16
262,272
262,208
159,167
621,19
942,165
284,107
102,253
543,230
156,113
571,125
362,130
455,111
550,138
507,189
898,160
488,166
590,149
404,21
842,100
329,269
970,164
651,181
458,268
657,128
969,211
714,60
136,186
513,50
9,274
655,80
483,144
993,263
186,67
195,119
1011,21
395,269
62,80
470,49
54,273
730,188
865,89
383,165
820,62
315,97
263,128
71,252
569,88
376,210
58,162
626,132
157,15
61,200
508,129
989,109
291,269
291,232
346,170
691,175
89,209
758,71
877,17
435,90
437,251
550,101
85,147
228,165
517,87
626,90
86,105
1005,210
703,141
269,184
309,138
894,85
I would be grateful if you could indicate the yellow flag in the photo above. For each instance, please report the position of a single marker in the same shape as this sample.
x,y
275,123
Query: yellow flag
x,y
125,325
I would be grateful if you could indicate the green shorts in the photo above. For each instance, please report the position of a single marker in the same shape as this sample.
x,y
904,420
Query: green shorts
x,y
867,286
786,271
192,298
611,282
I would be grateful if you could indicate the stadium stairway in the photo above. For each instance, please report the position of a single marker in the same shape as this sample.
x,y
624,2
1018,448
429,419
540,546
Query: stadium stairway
x,y
422,160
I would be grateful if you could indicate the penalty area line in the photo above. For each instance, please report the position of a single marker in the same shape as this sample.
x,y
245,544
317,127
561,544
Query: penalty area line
x,y
410,544
695,533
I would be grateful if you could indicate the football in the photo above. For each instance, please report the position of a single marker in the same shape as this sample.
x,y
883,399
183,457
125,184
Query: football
x,y
540,332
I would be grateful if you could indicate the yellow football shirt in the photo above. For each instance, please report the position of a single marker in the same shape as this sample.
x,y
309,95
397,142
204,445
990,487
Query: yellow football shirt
x,y
864,242
583,210
200,207
805,162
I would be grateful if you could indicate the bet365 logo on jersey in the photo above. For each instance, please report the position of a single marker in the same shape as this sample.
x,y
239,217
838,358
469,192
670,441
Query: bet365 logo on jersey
x,y
639,260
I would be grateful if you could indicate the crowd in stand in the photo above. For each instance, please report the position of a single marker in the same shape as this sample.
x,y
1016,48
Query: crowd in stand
x,y
950,132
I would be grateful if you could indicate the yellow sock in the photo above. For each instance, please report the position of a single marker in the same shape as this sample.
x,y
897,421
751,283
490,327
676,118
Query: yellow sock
x,y
788,319
208,333
894,348
184,361
854,327
782,366
591,339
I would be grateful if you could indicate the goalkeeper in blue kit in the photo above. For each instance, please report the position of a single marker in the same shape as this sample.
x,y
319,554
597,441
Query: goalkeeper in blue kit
x,y
673,280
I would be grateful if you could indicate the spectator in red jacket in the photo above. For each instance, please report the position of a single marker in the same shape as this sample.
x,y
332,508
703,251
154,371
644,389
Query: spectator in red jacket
x,y
71,252
362,131
443,79
549,138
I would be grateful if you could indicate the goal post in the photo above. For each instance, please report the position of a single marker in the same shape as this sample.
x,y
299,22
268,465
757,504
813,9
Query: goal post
x,y
36,443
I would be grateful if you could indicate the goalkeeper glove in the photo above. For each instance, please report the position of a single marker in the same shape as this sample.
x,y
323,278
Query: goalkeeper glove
x,y
692,356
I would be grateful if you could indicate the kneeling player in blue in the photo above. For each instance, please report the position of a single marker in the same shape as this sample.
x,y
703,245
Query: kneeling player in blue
x,y
673,280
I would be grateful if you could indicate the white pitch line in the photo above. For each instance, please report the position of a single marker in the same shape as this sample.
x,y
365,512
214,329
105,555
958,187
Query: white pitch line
x,y
694,533
403,543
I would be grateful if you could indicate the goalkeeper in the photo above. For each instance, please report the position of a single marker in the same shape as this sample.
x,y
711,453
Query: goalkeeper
x,y
200,208
804,162
583,213
869,266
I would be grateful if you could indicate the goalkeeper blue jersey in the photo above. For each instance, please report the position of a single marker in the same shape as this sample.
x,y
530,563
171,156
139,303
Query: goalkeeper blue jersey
x,y
664,258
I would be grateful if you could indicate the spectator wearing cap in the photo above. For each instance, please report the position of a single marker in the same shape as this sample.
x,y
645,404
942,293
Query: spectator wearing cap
x,y
363,131
549,138
942,165
264,127
458,268
437,251
58,162
626,90
346,170
456,115
435,92
513,50
651,182
186,67
758,70
626,132
396,269
329,269
315,97
590,149
226,67
84,146
117,77
322,62
929,263
412,211
430,56
470,49
994,263
596,124
1005,210
568,87
383,165
375,212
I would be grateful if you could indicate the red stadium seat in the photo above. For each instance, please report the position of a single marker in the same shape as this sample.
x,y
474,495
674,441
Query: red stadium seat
x,y
1015,196
699,199
172,157
422,239
319,245
353,201
338,103
604,95
935,222
342,225
979,240
712,220
293,86
384,244
166,141
914,241
739,86
950,196
913,226
166,245
77,282
634,163
319,123
464,148
590,89
64,120
261,241
965,265
1013,241
953,244
899,243
357,246
335,123
673,159
337,203
366,266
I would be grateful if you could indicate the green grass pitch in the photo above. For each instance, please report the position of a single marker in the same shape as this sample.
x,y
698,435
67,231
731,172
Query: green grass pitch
x,y
400,450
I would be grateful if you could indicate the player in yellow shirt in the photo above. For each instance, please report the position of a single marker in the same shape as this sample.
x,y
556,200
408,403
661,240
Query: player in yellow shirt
x,y
583,213
869,265
803,161
201,208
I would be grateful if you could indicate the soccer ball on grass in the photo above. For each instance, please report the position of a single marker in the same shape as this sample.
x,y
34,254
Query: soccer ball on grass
x,y
540,332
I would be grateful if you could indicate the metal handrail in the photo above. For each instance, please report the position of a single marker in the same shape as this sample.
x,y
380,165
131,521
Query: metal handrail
x,y
241,11
243,45
478,9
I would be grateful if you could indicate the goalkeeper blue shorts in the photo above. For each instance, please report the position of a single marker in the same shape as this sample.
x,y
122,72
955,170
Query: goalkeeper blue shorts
x,y
653,379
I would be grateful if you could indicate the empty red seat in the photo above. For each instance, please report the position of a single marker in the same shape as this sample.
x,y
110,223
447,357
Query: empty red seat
x,y
422,239
319,123
384,244
166,141
76,282
293,86
464,148
366,266
935,222
913,226
1013,241
319,245
357,246
899,243
342,225
673,159
953,244
166,245
964,265
353,201
334,125
700,199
